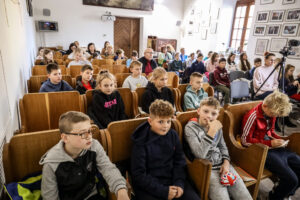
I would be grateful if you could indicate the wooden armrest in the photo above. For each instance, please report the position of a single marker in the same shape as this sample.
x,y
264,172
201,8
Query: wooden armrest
x,y
251,159
294,143
199,172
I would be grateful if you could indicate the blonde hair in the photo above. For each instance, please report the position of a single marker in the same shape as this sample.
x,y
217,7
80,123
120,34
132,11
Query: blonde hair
x,y
210,101
278,103
66,120
161,108
103,75
157,73
78,50
135,63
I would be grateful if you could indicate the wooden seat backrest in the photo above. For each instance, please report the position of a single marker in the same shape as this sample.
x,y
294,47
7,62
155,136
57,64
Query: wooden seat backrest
x,y
65,57
57,55
109,61
59,61
120,69
120,78
42,70
22,154
182,89
127,98
35,82
110,68
41,111
173,79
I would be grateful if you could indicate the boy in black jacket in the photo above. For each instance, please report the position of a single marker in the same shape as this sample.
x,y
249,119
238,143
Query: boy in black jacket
x,y
85,81
157,160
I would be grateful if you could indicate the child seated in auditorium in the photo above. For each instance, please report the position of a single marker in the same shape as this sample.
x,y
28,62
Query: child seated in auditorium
x,y
205,140
198,65
134,57
47,57
54,83
257,63
119,57
85,81
261,74
71,166
156,89
40,55
135,80
107,104
221,80
176,65
109,52
291,85
157,160
194,92
79,58
258,127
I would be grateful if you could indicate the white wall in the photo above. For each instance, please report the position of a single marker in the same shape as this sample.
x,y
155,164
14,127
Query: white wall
x,y
277,5
83,23
17,48
215,42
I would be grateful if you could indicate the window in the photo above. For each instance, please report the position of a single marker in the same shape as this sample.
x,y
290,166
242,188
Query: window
x,y
241,25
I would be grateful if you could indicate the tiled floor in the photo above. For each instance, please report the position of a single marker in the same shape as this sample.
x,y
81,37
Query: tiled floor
x,y
267,185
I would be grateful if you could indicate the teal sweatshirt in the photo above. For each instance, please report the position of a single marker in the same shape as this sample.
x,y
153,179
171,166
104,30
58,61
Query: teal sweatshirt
x,y
192,99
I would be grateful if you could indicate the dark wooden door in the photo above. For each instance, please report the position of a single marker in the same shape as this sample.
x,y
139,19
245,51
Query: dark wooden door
x,y
127,34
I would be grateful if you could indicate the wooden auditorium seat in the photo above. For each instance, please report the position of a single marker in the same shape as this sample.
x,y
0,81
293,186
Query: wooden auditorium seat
x,y
120,69
41,111
42,70
182,89
74,70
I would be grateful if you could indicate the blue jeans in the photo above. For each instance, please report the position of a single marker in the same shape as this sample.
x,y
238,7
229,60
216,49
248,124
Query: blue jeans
x,y
286,165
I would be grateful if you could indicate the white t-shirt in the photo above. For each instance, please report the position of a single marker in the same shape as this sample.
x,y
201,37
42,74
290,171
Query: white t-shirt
x,y
134,83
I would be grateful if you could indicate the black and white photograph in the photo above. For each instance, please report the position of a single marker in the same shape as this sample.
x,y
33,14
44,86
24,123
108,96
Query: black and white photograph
x,y
288,1
203,34
262,16
277,44
290,29
259,30
293,15
129,4
273,30
296,50
213,27
262,2
276,16
261,46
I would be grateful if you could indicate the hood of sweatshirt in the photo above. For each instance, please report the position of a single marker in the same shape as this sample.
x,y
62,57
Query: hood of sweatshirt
x,y
79,82
105,96
200,94
52,87
221,70
151,86
143,135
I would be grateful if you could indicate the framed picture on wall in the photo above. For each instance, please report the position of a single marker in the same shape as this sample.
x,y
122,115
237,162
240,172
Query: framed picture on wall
x,y
273,30
277,44
288,1
213,27
262,16
203,34
292,15
261,46
262,2
276,16
290,29
259,30
296,50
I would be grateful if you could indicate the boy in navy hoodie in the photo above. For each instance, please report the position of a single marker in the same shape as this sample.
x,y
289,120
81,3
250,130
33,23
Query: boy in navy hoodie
x,y
157,160
54,82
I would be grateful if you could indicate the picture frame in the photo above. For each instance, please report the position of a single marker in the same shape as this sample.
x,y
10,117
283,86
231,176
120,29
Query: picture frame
x,y
296,50
261,46
146,5
277,44
288,2
276,15
215,13
262,2
259,30
290,30
292,15
273,30
213,27
203,34
205,22
262,16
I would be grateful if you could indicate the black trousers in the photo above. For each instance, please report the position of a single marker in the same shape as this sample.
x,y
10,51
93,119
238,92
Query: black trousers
x,y
189,193
286,165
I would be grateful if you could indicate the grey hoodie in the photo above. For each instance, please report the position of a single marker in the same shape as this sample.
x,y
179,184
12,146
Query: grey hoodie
x,y
56,160
205,147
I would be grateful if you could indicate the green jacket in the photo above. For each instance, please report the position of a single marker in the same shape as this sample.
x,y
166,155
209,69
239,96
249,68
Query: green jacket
x,y
192,99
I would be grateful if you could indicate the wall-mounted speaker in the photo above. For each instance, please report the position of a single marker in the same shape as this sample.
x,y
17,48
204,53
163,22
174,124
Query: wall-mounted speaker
x,y
46,12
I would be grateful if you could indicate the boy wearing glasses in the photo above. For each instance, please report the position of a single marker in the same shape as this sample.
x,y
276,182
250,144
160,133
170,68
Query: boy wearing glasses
x,y
70,167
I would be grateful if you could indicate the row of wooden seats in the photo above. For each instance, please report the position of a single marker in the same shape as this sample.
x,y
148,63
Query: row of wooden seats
x,y
48,107
24,150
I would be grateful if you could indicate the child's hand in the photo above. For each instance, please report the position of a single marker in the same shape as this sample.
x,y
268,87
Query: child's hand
x,y
214,126
179,192
122,194
225,167
277,142
172,192
296,83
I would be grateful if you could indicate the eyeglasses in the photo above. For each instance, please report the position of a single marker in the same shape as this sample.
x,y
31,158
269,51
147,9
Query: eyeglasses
x,y
83,135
